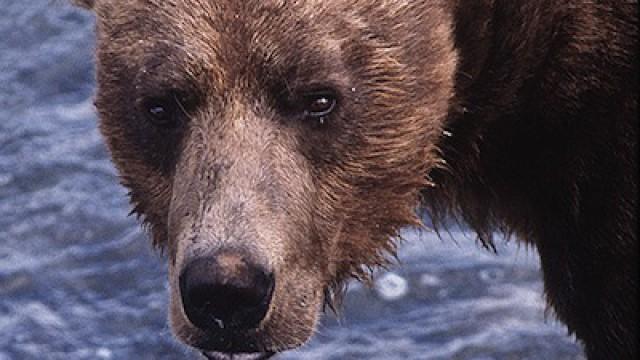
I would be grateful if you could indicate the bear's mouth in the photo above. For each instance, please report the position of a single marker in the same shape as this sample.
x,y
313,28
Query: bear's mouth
x,y
213,355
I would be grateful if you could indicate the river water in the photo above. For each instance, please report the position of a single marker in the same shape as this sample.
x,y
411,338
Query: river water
x,y
79,280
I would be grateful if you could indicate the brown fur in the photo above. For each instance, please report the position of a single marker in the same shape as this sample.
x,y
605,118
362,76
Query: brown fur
x,y
517,116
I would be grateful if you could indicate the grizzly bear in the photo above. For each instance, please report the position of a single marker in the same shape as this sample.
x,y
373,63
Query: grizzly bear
x,y
275,148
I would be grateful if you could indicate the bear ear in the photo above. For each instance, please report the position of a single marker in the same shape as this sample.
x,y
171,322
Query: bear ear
x,y
87,4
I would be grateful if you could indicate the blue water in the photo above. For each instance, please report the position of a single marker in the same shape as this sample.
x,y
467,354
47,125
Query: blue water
x,y
79,280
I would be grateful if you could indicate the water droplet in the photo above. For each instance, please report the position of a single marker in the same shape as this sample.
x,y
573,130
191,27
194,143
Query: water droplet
x,y
219,322
443,293
5,180
428,280
391,287
104,353
491,275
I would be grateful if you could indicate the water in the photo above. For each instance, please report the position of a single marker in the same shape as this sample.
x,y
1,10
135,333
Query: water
x,y
78,279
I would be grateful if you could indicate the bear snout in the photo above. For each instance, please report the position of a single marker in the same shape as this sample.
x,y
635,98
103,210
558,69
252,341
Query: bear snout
x,y
225,292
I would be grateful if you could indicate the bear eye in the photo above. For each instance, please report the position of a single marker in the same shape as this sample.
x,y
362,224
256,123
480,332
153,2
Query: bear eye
x,y
162,112
320,104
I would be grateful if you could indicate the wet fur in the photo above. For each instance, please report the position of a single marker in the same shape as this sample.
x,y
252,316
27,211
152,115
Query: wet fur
x,y
544,145
517,116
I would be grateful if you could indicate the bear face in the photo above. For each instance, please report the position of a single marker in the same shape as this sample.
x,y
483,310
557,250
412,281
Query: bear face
x,y
288,137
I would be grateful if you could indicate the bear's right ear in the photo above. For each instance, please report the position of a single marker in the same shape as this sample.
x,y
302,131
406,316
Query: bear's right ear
x,y
87,4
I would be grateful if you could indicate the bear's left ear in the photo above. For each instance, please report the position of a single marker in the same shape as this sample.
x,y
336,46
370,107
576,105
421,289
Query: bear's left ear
x,y
87,4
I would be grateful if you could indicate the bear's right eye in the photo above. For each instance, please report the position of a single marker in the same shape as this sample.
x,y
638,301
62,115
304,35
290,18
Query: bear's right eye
x,y
163,112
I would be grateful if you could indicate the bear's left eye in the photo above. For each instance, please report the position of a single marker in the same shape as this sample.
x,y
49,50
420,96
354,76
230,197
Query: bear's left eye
x,y
163,112
319,104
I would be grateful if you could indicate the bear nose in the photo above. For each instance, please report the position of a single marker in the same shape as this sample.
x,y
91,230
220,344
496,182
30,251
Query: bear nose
x,y
225,291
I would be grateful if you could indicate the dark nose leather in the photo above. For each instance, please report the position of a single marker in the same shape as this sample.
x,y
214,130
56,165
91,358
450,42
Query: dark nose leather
x,y
225,291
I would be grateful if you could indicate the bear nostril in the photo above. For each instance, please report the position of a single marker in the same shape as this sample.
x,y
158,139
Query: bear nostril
x,y
225,291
